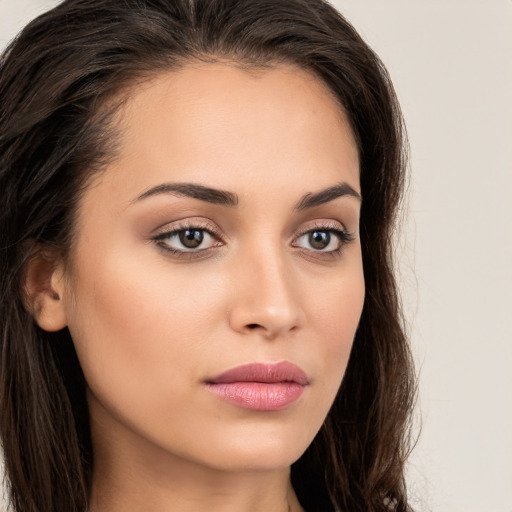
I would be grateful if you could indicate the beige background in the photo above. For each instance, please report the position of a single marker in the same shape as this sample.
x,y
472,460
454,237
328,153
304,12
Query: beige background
x,y
451,61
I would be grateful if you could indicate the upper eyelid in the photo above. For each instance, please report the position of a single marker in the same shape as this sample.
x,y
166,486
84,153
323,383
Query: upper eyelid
x,y
323,226
207,224
176,227
212,228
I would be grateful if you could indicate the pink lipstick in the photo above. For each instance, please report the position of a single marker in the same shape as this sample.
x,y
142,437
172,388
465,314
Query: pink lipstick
x,y
260,386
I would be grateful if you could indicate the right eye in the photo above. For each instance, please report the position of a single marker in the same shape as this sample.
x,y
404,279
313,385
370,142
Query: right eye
x,y
187,239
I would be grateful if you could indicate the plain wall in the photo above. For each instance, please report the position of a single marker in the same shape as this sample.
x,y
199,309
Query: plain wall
x,y
451,62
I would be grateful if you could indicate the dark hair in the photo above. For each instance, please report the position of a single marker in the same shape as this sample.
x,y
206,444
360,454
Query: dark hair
x,y
57,83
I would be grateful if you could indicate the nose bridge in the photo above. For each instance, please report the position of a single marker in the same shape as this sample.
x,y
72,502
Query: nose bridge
x,y
266,298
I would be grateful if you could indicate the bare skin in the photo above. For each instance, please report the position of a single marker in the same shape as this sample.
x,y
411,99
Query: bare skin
x,y
274,277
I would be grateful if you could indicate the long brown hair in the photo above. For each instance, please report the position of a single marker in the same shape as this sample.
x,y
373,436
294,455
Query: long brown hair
x,y
57,83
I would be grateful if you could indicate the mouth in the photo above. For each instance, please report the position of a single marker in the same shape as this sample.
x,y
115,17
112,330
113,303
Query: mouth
x,y
260,386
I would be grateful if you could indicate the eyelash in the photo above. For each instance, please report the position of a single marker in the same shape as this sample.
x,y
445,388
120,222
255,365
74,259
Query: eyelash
x,y
180,228
342,235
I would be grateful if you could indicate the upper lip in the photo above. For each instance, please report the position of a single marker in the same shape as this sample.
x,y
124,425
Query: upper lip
x,y
283,371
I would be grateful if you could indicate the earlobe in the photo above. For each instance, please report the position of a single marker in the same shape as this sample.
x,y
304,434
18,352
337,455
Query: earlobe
x,y
44,291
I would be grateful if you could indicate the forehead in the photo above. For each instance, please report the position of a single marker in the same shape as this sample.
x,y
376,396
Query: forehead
x,y
231,127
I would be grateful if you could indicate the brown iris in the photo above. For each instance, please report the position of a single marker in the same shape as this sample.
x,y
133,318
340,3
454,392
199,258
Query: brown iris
x,y
319,239
191,238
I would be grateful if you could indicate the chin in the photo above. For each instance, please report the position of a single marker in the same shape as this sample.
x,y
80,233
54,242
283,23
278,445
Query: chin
x,y
256,461
258,452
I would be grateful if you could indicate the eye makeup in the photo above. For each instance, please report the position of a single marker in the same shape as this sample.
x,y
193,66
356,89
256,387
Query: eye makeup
x,y
195,239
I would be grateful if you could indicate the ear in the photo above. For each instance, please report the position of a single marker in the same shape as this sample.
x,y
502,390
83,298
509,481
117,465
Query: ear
x,y
44,290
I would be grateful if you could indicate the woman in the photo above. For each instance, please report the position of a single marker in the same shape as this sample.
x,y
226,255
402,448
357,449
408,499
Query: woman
x,y
197,209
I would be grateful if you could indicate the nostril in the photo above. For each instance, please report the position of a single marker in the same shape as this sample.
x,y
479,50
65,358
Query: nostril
x,y
253,326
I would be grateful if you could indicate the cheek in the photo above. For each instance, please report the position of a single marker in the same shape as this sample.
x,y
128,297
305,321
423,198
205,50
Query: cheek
x,y
335,316
138,330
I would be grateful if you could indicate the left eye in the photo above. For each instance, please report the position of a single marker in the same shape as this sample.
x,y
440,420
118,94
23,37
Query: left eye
x,y
321,240
188,239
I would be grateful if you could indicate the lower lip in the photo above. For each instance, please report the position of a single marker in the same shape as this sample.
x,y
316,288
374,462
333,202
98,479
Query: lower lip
x,y
258,396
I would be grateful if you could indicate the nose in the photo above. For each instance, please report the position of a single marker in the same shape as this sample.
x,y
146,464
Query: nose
x,y
266,299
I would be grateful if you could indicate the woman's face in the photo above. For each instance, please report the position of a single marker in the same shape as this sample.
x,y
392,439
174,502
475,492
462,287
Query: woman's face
x,y
225,234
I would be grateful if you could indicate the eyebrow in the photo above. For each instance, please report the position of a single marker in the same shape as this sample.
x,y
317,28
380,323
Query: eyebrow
x,y
324,196
210,195
225,198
